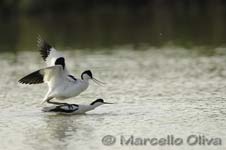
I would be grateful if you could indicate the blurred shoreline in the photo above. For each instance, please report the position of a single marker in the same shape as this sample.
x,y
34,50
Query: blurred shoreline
x,y
96,24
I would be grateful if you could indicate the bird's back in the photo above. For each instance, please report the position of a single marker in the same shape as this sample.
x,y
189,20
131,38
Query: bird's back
x,y
69,108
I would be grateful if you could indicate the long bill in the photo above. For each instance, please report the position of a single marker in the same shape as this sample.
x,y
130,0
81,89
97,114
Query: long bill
x,y
108,103
98,82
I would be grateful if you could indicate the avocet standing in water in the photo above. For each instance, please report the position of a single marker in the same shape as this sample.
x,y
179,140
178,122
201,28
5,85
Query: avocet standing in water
x,y
61,83
74,108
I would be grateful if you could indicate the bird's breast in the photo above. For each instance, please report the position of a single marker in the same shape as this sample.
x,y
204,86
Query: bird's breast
x,y
69,89
76,88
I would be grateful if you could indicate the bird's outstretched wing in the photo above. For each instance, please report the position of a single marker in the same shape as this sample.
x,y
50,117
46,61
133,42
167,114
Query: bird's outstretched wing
x,y
49,54
45,75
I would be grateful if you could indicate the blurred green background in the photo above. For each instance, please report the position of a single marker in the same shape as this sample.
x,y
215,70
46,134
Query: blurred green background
x,y
97,24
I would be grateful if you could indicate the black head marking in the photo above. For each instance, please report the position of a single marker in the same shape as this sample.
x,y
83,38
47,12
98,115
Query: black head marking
x,y
98,100
60,61
88,72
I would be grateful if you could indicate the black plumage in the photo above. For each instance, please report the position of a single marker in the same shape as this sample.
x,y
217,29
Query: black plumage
x,y
88,72
44,48
33,78
98,100
60,61
66,108
71,76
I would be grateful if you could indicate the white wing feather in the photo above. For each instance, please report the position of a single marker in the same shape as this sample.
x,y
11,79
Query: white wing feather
x,y
52,57
53,73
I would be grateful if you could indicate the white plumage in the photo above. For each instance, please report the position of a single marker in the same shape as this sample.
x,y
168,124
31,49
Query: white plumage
x,y
61,84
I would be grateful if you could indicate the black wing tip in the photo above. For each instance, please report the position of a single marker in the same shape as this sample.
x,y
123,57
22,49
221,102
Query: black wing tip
x,y
32,78
21,81
44,47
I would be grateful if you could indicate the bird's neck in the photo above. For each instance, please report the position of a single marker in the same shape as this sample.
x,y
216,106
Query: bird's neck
x,y
94,106
83,85
86,108
85,80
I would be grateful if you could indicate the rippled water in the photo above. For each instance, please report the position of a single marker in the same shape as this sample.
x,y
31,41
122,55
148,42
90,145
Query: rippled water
x,y
158,92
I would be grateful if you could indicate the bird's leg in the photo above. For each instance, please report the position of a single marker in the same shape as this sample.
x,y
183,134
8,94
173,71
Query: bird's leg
x,y
56,103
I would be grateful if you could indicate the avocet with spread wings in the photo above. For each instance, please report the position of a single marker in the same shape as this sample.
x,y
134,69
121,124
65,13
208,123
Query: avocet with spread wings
x,y
61,83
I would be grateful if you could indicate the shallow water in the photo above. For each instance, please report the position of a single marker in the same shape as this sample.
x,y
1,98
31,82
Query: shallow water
x,y
158,92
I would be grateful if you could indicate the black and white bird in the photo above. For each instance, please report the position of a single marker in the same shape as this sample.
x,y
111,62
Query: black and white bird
x,y
74,108
61,84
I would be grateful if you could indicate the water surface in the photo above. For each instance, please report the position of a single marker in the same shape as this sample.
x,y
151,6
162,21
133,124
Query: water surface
x,y
158,92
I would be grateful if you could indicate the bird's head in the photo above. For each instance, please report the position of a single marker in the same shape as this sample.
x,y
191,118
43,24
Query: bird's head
x,y
86,75
99,102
